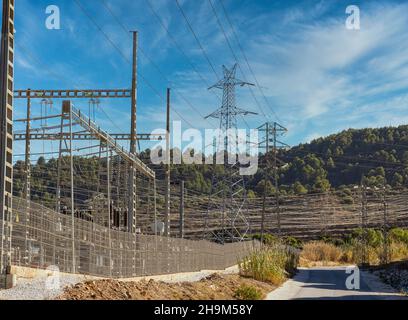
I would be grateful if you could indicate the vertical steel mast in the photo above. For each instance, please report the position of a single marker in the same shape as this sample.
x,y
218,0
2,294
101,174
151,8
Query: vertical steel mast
x,y
133,140
6,131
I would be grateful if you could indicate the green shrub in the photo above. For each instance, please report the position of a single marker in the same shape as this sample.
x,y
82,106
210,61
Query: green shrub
x,y
347,200
373,237
245,292
293,242
334,241
270,264
399,235
268,239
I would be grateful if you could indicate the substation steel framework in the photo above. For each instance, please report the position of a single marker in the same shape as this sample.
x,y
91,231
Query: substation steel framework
x,y
6,132
228,195
133,136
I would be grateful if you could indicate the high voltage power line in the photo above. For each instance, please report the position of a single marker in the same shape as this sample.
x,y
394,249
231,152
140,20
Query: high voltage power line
x,y
190,27
234,55
246,59
106,36
177,45
196,38
123,27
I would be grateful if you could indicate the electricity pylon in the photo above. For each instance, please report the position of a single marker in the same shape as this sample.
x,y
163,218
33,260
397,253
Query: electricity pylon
x,y
225,220
270,132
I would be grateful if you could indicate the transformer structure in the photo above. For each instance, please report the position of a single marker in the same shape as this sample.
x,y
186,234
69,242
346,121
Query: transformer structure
x,y
225,220
6,132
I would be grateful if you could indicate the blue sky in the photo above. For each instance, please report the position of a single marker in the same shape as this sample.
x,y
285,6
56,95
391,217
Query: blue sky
x,y
318,77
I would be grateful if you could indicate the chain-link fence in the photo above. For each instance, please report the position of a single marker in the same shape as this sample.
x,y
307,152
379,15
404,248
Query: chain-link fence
x,y
43,238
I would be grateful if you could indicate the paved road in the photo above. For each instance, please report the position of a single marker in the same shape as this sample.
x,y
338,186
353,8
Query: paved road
x,y
329,283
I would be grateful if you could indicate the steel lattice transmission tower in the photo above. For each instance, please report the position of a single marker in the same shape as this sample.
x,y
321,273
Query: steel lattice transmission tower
x,y
225,220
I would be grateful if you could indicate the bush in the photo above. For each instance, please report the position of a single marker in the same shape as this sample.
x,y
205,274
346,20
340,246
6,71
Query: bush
x,y
245,292
399,235
293,242
270,264
374,238
268,239
335,241
347,200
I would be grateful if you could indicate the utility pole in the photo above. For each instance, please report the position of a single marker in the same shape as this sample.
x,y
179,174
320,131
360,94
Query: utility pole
x,y
275,177
167,165
108,178
181,222
6,132
385,227
133,137
27,189
265,190
28,151
71,160
133,130
363,223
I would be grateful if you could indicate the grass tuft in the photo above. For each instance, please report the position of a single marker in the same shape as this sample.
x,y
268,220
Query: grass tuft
x,y
246,292
273,264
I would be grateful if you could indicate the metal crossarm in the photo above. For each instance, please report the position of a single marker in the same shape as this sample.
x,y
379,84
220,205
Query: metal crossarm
x,y
72,93
87,136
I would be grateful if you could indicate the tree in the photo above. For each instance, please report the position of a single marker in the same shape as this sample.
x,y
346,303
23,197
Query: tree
x,y
397,180
270,189
321,185
298,188
251,194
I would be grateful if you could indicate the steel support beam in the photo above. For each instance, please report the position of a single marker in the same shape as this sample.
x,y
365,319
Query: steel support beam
x,y
27,188
6,131
133,130
167,177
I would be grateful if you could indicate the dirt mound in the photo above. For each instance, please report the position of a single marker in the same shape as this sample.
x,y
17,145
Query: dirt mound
x,y
213,287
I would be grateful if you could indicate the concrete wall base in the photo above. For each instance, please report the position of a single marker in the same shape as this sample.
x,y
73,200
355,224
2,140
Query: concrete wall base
x,y
8,281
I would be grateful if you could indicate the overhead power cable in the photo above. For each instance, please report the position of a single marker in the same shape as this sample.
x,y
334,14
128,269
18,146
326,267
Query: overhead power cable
x,y
112,43
126,30
247,61
235,56
196,38
177,45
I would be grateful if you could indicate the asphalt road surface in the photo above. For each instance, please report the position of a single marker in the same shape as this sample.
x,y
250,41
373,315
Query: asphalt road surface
x,y
329,283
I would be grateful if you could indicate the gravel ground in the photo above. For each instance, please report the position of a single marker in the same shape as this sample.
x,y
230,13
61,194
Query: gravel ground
x,y
397,278
213,287
40,288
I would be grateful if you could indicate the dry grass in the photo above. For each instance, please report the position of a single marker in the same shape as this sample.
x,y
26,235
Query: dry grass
x,y
321,251
398,251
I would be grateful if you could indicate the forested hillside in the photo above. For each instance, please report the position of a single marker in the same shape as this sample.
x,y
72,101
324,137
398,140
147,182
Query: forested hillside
x,y
376,155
